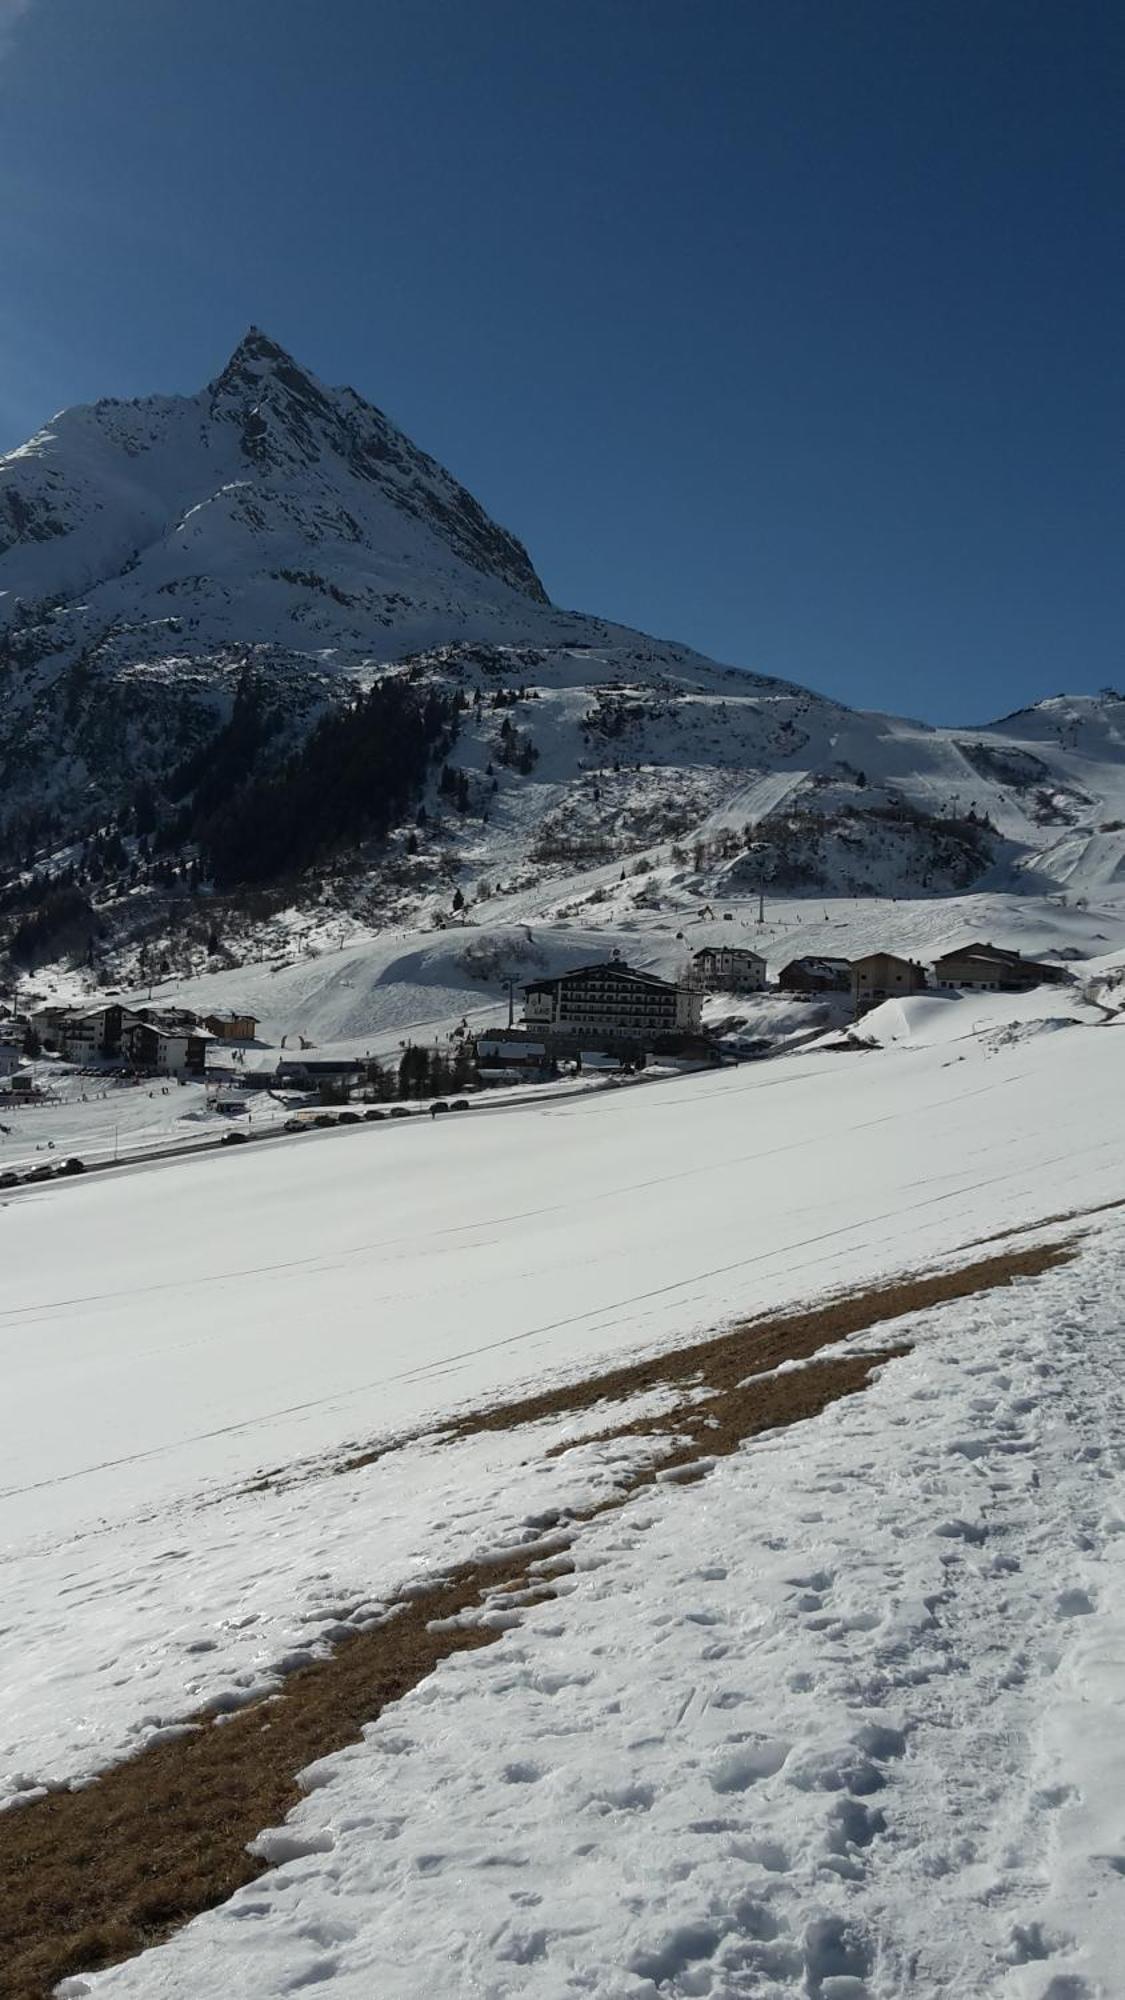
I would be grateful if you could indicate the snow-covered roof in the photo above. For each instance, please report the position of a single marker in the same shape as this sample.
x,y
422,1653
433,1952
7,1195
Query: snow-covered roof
x,y
887,957
993,951
615,965
728,951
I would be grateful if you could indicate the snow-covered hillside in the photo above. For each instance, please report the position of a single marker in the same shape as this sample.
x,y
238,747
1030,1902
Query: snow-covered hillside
x,y
837,1722
156,556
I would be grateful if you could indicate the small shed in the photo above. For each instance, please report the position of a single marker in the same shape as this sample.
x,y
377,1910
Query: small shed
x,y
231,1026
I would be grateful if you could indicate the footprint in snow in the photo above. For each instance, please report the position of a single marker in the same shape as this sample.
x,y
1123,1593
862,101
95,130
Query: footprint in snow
x,y
523,1947
316,1974
852,1824
748,1765
837,1960
1030,1942
686,1944
521,1773
1074,1604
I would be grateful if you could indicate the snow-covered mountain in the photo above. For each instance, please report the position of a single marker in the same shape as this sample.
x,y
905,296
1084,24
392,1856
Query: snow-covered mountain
x,y
154,554
206,499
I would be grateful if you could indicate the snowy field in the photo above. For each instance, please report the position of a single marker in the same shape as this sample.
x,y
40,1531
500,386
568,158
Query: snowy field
x,y
837,1722
842,1721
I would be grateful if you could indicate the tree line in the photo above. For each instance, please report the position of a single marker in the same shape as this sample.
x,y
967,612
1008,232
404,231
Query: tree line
x,y
356,774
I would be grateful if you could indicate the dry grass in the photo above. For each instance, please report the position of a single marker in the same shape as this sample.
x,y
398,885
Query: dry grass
x,y
94,1876
722,1363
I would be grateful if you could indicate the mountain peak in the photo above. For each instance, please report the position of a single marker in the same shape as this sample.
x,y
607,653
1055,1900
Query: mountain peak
x,y
287,420
256,345
255,361
268,478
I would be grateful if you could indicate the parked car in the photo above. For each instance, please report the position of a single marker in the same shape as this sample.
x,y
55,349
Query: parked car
x,y
294,1125
349,1118
44,1173
324,1118
400,1111
460,1104
372,1115
73,1167
9,1178
234,1138
441,1105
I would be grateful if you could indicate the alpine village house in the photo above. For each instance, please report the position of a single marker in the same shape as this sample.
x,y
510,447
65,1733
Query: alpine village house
x,y
729,969
881,976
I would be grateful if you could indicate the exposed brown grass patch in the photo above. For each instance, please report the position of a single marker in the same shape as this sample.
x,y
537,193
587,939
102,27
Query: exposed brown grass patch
x,y
94,1876
721,1363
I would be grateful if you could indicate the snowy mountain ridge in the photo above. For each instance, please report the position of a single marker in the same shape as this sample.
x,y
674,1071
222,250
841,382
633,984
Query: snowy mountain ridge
x,y
153,554
130,489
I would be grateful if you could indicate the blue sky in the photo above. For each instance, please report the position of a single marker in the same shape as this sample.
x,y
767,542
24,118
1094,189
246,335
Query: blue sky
x,y
791,328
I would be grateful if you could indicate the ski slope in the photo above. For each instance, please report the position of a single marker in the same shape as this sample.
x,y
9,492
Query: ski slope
x,y
840,1723
850,1679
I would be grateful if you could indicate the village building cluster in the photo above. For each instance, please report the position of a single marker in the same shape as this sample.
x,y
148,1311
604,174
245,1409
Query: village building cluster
x,y
608,1010
161,1041
612,1007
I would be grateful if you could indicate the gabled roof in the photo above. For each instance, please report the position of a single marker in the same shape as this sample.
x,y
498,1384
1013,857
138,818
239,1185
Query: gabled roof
x,y
992,951
614,965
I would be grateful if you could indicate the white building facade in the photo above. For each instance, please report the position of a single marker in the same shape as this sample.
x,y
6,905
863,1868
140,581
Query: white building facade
x,y
729,969
81,1037
155,1049
611,1002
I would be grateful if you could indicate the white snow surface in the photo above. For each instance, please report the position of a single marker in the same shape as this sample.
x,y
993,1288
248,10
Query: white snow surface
x,y
840,1721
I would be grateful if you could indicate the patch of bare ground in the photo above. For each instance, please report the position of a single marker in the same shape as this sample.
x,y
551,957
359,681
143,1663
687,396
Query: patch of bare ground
x,y
93,1876
721,1365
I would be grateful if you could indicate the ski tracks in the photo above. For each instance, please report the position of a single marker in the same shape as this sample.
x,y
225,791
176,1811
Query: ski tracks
x,y
838,1722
